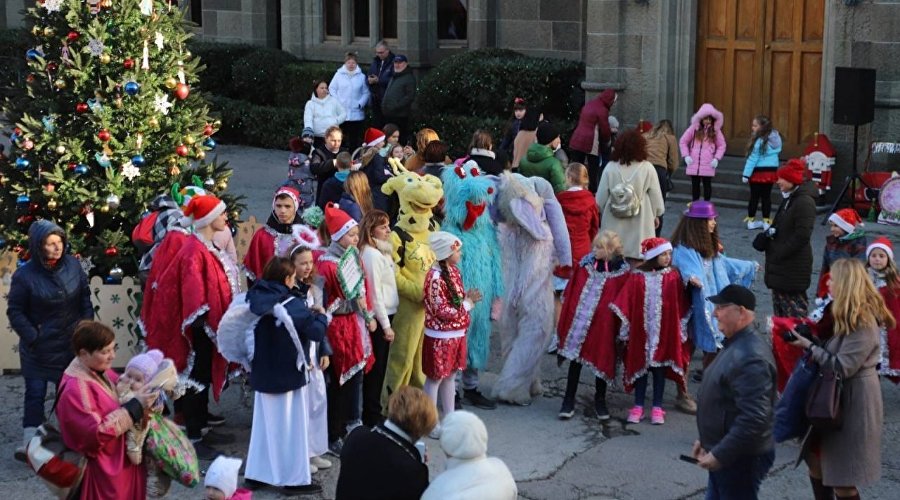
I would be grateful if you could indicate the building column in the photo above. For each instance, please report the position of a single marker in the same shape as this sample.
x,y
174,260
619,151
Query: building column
x,y
482,29
677,61
417,29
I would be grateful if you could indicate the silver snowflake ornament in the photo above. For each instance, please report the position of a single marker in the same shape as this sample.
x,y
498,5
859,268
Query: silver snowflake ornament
x,y
86,264
162,104
52,5
129,171
96,47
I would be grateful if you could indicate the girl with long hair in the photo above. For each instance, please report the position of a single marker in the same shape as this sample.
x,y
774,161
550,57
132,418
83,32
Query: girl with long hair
x,y
883,272
375,250
842,460
356,199
703,146
760,170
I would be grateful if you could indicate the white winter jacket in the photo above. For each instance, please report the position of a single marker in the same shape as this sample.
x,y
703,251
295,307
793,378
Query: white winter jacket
x,y
352,90
380,273
319,114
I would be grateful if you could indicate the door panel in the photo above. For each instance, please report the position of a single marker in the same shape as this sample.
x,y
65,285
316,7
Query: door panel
x,y
762,57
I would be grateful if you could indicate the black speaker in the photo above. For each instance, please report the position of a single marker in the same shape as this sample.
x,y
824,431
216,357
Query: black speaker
x,y
854,96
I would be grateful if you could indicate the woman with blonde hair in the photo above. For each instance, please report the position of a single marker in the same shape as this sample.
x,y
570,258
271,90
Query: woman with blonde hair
x,y
842,460
423,137
357,197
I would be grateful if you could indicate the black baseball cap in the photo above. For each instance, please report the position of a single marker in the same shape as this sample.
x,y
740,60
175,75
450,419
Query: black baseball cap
x,y
737,295
400,58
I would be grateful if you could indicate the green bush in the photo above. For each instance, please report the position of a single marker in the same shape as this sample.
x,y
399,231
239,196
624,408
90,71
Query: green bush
x,y
253,125
485,82
254,74
219,59
294,84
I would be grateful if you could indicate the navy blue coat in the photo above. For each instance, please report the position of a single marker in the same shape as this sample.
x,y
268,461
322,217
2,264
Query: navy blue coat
x,y
377,173
274,367
45,304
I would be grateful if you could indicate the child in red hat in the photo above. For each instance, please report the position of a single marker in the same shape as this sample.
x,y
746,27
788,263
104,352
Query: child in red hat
x,y
883,271
654,308
349,301
847,240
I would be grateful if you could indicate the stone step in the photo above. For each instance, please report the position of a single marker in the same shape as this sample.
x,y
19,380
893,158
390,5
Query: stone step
x,y
727,187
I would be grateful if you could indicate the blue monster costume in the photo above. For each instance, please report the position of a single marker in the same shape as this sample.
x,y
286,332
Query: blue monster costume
x,y
467,193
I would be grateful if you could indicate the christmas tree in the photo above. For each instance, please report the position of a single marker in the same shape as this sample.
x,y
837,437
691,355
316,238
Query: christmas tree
x,y
109,119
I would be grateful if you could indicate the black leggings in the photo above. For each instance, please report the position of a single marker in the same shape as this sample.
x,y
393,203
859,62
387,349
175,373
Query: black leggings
x,y
760,193
695,187
663,175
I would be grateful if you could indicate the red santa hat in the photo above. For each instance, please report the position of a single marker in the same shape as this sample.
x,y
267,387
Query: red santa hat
x,y
337,221
882,243
290,192
793,171
204,209
644,126
654,247
846,219
374,137
819,143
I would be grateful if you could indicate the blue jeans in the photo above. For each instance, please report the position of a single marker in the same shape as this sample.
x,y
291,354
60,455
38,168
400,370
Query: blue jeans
x,y
740,480
35,394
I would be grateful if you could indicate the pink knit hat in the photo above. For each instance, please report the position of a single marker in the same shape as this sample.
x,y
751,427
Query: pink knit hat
x,y
146,363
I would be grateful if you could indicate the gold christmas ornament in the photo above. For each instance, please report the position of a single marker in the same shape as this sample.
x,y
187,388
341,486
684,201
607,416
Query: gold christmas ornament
x,y
174,171
201,154
189,139
60,84
61,149
104,58
36,30
222,186
187,54
172,161
171,82
235,215
118,102
104,208
217,124
48,31
52,204
153,122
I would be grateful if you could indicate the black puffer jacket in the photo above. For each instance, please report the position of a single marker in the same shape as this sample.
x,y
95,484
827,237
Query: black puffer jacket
x,y
45,304
789,256
736,399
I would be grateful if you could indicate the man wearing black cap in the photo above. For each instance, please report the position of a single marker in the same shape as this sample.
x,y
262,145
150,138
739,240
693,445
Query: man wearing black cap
x,y
399,96
735,402
540,161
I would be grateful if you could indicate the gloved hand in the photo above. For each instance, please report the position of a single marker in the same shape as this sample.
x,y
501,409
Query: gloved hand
x,y
714,163
688,160
745,180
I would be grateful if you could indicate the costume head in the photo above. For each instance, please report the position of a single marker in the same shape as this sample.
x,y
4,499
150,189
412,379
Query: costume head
x,y
146,363
183,195
418,195
847,219
882,243
467,193
528,202
337,221
204,209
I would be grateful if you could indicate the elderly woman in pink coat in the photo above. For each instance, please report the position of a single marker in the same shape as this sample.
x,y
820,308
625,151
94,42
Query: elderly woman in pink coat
x,y
703,146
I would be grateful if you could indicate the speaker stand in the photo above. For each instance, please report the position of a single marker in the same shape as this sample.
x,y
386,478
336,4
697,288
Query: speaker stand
x,y
850,181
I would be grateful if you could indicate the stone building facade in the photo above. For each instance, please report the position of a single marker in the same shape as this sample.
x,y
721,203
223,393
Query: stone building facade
x,y
648,50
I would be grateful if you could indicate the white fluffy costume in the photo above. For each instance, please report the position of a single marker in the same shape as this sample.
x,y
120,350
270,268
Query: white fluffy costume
x,y
466,195
534,238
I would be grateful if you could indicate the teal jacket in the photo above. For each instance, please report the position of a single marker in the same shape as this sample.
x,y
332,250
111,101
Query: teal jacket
x,y
540,162
767,159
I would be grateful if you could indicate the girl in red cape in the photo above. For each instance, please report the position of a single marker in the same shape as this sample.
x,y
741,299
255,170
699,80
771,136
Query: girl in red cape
x,y
883,271
347,330
188,292
654,308
587,326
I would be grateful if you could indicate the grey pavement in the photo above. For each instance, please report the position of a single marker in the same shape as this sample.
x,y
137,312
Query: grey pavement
x,y
550,459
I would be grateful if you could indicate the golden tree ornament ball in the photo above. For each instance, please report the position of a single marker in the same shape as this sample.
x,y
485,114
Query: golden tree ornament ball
x,y
189,139
60,84
60,149
52,204
105,58
104,208
48,31
153,122
171,82
201,154
222,186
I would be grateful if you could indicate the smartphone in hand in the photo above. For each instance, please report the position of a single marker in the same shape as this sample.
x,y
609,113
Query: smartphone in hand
x,y
687,458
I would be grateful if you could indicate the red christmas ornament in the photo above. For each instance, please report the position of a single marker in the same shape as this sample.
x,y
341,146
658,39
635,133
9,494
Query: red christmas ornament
x,y
72,36
25,219
52,66
81,107
29,78
103,135
71,166
208,130
128,63
181,150
182,91
33,207
111,252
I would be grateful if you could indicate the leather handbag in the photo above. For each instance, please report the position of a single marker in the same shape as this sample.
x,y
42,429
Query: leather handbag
x,y
823,405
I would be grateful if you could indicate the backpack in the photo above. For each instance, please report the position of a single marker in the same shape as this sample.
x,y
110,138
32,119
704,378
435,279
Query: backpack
x,y
142,234
624,201
60,467
235,337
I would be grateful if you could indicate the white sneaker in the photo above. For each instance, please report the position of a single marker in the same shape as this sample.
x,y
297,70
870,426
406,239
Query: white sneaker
x,y
754,224
313,469
320,463
436,432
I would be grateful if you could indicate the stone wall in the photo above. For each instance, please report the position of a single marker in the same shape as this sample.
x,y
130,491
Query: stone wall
x,y
11,13
543,28
247,21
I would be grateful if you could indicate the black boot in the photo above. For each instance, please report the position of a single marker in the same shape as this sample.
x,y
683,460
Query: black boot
x,y
600,399
820,491
567,410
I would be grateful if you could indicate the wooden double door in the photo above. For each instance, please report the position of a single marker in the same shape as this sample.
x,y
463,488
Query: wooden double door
x,y
762,57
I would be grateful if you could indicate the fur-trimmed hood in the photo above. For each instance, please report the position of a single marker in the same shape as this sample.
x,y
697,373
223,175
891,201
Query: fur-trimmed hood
x,y
705,110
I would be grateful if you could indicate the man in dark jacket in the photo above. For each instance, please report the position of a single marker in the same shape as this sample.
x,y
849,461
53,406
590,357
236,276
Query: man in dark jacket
x,y
789,257
735,402
380,72
399,96
48,296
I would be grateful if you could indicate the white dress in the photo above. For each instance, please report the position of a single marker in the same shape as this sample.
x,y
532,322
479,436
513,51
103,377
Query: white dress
x,y
317,399
280,428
